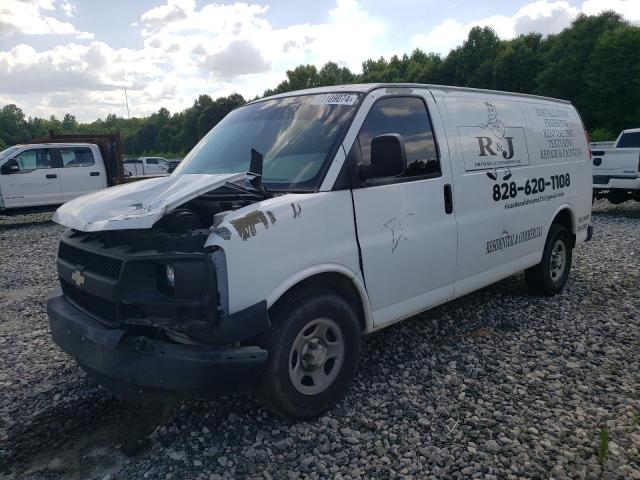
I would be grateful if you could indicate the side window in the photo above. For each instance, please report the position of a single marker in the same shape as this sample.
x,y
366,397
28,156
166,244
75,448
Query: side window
x,y
152,161
408,117
34,159
76,157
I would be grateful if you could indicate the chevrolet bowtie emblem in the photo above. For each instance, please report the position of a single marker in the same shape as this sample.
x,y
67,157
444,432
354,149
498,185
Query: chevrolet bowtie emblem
x,y
77,278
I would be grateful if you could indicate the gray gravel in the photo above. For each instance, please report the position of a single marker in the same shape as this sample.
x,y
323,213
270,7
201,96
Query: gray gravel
x,y
497,385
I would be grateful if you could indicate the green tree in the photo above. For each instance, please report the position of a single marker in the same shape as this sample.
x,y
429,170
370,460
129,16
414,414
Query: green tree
x,y
332,74
69,123
55,124
566,59
423,68
13,126
471,65
518,64
613,80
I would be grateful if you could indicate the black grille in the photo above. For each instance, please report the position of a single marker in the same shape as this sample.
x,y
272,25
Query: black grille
x,y
600,179
99,307
106,266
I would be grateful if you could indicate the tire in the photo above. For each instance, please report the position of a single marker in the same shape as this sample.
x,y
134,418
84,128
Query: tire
x,y
617,197
548,277
303,379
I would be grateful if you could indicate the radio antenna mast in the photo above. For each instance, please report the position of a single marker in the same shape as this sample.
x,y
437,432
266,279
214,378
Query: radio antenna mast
x,y
127,100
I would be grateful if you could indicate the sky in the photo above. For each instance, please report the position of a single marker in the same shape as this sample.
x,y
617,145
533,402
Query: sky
x,y
75,56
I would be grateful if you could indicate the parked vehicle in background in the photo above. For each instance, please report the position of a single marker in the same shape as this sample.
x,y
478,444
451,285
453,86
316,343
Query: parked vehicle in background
x,y
54,169
173,164
601,145
146,167
301,222
49,174
616,170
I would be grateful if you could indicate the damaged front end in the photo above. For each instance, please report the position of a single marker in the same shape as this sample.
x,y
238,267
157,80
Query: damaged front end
x,y
140,308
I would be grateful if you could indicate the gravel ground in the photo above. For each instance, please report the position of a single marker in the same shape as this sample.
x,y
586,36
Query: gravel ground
x,y
497,385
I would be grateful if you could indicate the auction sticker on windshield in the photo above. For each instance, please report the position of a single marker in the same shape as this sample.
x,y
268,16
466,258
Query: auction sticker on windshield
x,y
334,99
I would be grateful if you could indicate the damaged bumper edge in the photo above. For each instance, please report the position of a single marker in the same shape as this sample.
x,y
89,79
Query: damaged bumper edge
x,y
135,367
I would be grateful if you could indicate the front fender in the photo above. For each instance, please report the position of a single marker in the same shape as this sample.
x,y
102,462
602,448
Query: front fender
x,y
354,278
269,243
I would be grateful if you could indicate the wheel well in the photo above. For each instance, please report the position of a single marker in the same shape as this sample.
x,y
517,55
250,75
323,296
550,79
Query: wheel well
x,y
564,218
337,283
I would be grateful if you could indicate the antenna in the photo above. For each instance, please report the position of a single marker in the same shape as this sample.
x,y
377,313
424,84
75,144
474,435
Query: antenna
x,y
127,100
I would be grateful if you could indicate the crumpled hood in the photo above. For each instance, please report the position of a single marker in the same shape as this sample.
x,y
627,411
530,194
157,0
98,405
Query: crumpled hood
x,y
138,204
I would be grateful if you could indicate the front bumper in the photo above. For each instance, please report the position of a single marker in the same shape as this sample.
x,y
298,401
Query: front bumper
x,y
134,367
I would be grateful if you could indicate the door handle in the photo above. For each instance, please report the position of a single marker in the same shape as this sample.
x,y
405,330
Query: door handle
x,y
95,174
448,199
52,175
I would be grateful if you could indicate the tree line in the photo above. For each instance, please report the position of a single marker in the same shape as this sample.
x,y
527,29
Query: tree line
x,y
594,63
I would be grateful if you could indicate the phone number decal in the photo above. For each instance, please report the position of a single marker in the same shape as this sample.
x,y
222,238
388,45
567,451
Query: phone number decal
x,y
533,186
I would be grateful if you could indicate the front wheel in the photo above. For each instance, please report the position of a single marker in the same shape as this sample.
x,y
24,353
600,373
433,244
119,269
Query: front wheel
x,y
314,348
550,275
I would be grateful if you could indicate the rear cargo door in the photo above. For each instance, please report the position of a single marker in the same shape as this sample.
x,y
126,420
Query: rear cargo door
x,y
406,230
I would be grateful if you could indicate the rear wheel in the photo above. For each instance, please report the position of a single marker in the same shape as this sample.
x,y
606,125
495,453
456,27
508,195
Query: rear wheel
x,y
550,275
314,348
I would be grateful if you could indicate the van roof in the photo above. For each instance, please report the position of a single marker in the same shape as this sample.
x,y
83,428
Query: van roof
x,y
368,87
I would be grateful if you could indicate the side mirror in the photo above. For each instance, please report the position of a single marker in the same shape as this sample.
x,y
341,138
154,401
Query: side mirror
x,y
388,157
11,166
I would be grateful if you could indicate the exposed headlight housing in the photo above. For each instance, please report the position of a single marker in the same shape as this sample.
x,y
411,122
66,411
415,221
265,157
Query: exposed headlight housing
x,y
171,275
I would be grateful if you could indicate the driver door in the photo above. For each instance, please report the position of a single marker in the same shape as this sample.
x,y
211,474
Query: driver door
x,y
37,182
405,223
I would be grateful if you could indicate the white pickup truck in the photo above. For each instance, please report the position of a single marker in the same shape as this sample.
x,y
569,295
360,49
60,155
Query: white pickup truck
x,y
146,167
49,173
616,170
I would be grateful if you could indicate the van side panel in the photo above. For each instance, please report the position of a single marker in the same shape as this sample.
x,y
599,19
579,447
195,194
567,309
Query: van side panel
x,y
516,162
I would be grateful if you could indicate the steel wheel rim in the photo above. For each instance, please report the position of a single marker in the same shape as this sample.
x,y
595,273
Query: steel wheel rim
x,y
558,260
316,356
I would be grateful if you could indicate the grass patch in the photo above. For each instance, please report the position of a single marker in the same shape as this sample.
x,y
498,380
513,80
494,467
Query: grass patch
x,y
603,447
614,369
636,419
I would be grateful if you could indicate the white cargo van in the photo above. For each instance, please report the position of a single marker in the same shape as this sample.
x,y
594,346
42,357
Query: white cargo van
x,y
49,174
305,220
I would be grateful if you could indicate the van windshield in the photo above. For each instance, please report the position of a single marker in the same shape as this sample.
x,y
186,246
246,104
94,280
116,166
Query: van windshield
x,y
295,136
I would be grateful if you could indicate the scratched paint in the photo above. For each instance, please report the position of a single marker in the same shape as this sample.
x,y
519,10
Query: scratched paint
x,y
398,231
297,210
246,225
